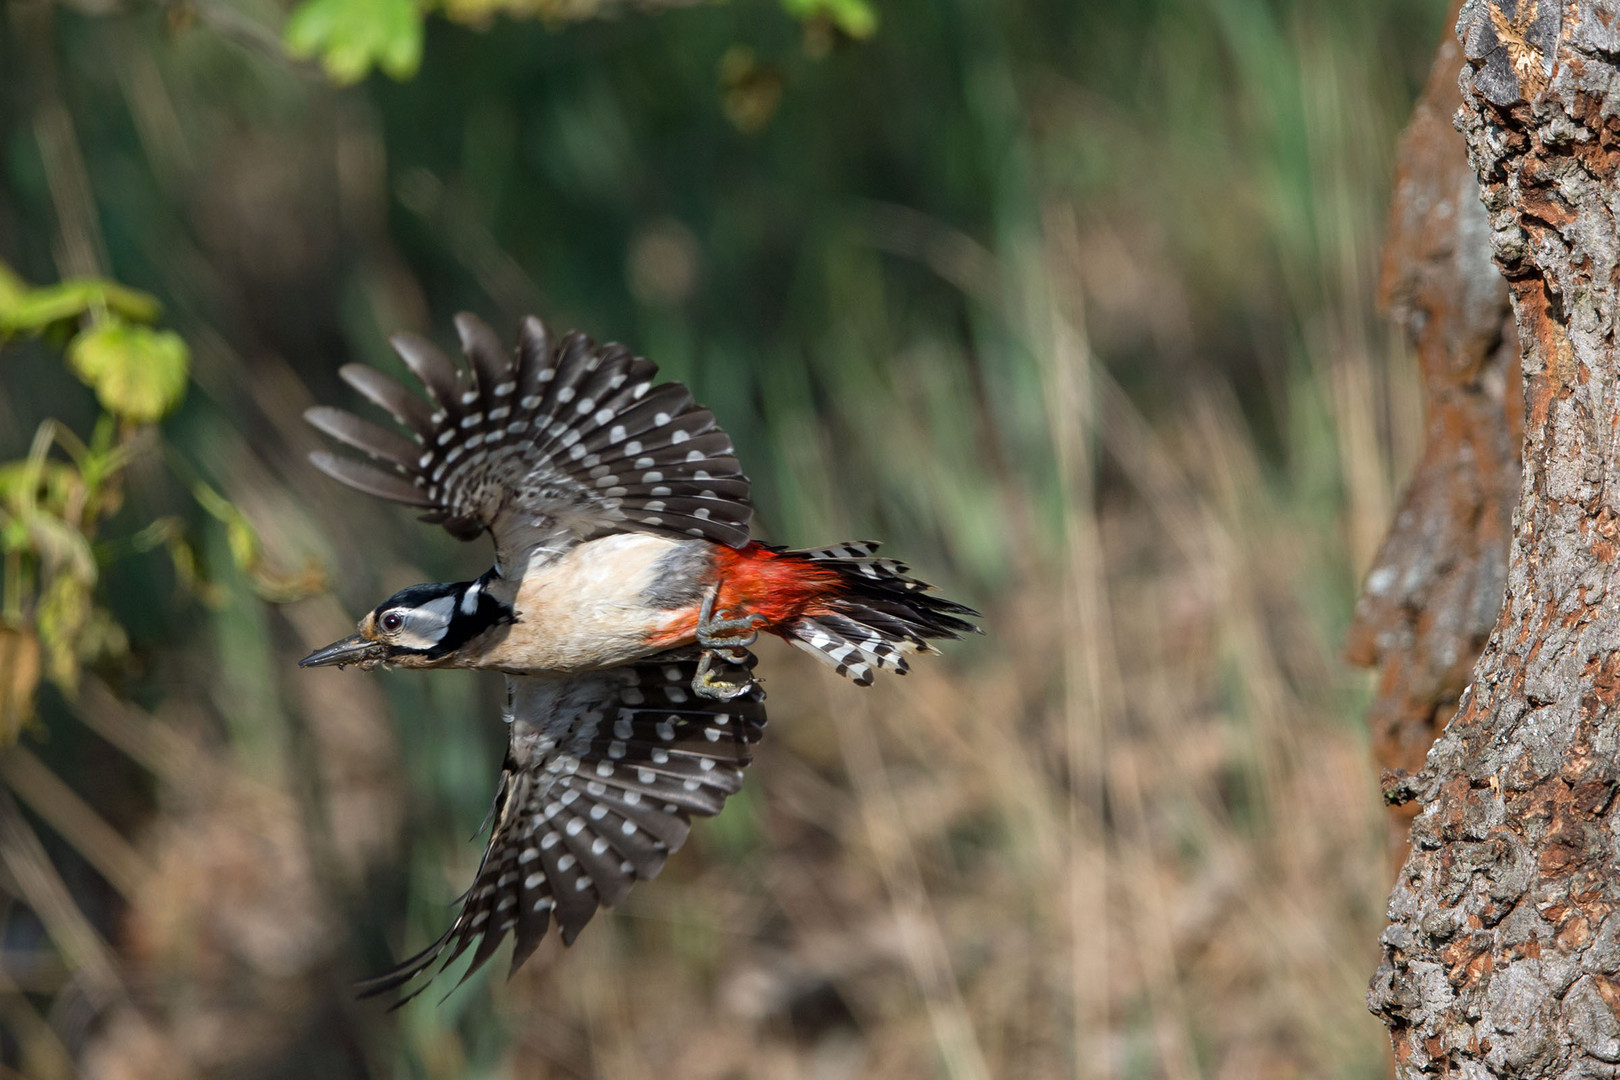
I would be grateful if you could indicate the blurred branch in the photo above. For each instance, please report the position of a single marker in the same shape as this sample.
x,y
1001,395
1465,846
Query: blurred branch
x,y
80,249
101,845
924,943
1083,398
1094,688
444,211
1092,698
1131,441
42,1054
152,108
235,26
164,751
41,887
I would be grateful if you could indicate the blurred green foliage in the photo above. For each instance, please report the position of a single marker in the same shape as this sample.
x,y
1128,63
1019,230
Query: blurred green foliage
x,y
139,374
25,310
857,18
351,36
51,511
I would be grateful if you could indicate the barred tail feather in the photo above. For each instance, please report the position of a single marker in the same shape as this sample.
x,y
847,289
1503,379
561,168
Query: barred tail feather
x,y
875,615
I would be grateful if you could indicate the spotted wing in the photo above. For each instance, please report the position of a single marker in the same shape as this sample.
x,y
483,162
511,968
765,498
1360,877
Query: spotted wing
x,y
602,778
544,446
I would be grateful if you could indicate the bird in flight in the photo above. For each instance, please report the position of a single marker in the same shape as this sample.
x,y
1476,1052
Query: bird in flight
x,y
625,594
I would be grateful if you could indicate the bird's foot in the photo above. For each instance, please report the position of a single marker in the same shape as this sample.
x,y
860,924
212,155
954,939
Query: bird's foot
x,y
723,642
723,636
734,681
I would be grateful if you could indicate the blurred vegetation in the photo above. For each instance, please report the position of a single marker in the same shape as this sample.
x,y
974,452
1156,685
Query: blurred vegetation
x,y
50,510
350,36
1071,304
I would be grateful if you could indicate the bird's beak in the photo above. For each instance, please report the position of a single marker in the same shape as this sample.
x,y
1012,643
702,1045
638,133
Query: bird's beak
x,y
351,650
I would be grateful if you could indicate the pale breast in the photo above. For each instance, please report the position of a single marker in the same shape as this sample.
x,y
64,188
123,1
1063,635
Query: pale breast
x,y
594,607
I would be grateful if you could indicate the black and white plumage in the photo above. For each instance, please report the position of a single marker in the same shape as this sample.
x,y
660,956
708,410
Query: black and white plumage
x,y
624,597
602,777
544,446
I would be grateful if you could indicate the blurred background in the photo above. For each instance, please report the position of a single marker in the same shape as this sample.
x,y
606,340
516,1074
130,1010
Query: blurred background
x,y
1070,304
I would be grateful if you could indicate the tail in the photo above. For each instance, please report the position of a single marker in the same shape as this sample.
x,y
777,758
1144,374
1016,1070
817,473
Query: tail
x,y
873,615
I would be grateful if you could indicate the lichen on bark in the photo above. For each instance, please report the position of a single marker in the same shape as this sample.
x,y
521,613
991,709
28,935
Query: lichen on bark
x,y
1502,955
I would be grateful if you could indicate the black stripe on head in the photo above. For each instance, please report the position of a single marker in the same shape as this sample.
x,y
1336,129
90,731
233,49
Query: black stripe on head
x,y
476,611
436,619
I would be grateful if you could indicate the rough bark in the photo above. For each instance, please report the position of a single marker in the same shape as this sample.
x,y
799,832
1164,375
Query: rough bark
x,y
1436,586
1502,957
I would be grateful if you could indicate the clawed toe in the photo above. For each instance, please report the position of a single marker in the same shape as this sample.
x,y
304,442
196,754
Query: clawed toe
x,y
723,633
729,633
723,640
709,683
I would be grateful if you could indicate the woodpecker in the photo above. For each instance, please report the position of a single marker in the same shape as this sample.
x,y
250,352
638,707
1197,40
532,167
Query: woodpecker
x,y
624,597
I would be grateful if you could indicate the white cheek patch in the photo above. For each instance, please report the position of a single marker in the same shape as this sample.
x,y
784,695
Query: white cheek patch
x,y
425,626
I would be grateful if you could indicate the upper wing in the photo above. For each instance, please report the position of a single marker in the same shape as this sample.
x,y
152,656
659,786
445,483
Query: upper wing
x,y
544,447
603,774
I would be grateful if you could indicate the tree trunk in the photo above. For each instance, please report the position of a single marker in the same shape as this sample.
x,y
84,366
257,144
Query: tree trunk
x,y
1502,957
1436,584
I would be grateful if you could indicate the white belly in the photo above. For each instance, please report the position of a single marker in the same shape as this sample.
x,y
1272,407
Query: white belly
x,y
588,609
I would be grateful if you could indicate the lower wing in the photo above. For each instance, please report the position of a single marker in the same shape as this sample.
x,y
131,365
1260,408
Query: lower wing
x,y
603,774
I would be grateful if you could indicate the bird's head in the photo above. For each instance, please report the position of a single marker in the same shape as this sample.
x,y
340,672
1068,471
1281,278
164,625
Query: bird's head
x,y
422,626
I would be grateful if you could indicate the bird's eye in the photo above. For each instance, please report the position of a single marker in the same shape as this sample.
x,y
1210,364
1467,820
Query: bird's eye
x,y
392,621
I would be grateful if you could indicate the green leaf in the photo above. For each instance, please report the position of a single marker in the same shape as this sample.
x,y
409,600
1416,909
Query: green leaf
x,y
13,534
28,310
857,18
48,485
63,613
240,534
352,35
138,373
12,289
